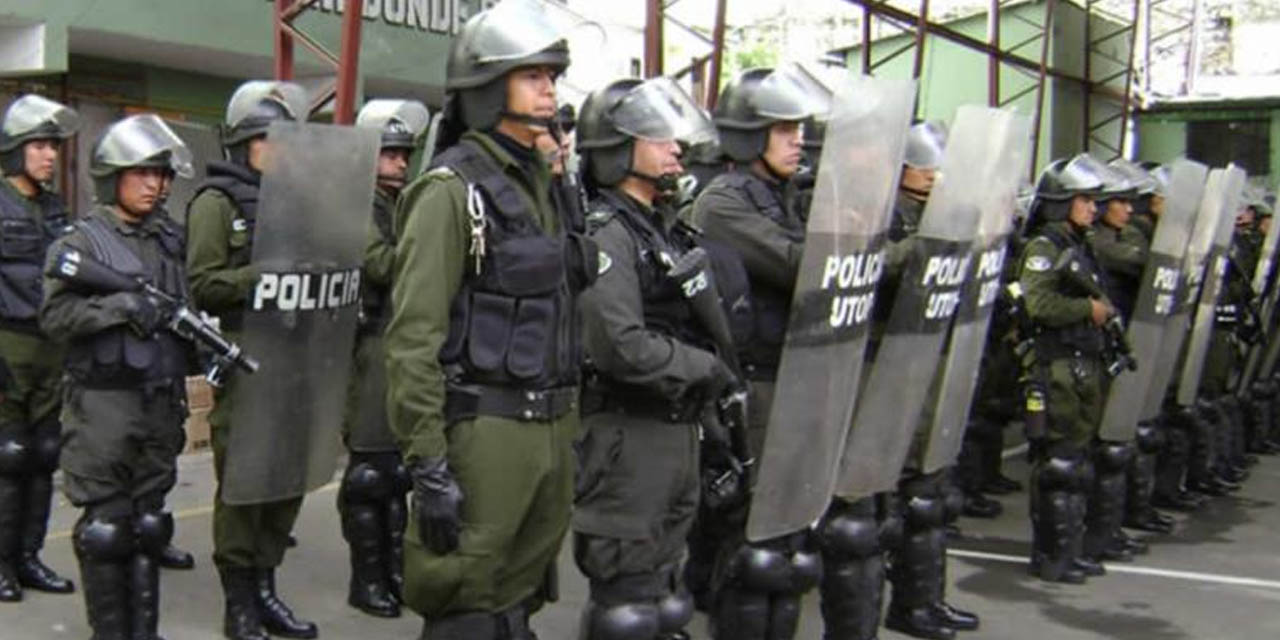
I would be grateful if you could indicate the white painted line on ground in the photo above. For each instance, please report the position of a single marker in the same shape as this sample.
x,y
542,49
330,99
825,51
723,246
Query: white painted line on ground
x,y
1192,576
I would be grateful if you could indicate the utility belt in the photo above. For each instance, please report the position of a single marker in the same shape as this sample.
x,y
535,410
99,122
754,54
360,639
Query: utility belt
x,y
466,402
149,388
1049,348
604,399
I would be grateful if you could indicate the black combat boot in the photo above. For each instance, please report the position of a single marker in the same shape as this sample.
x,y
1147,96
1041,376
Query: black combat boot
x,y
32,573
240,620
852,586
916,572
1053,522
10,525
464,626
995,482
172,557
277,618
1105,510
144,597
368,590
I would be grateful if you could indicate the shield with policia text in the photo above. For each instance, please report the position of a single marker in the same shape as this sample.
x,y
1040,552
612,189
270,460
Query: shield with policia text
x,y
1221,195
929,291
1182,201
1157,296
992,145
300,321
831,306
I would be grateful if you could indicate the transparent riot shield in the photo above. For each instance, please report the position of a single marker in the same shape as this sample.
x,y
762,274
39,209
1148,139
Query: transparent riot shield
x,y
1157,294
1222,195
929,291
831,307
1185,190
301,318
993,146
1264,292
205,146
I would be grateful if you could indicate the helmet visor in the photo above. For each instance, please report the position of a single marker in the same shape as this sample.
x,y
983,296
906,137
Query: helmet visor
x,y
515,29
790,93
291,97
926,143
1083,174
409,117
659,110
1139,179
32,112
137,141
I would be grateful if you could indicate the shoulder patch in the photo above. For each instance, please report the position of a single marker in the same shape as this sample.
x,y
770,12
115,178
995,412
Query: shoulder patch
x,y
441,172
605,263
1038,263
600,216
239,224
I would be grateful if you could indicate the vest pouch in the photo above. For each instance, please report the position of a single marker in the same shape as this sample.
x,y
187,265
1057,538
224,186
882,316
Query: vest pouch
x,y
20,290
240,241
490,330
139,354
21,240
528,266
535,325
107,350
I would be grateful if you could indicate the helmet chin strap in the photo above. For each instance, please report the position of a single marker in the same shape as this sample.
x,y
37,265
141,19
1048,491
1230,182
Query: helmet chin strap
x,y
768,166
665,184
545,123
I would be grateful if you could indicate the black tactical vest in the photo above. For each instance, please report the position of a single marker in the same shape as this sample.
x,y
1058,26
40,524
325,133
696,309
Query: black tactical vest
x,y
1083,336
118,357
513,324
770,305
23,243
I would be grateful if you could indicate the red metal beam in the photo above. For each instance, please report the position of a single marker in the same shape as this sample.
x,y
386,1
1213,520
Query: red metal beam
x,y
717,55
918,64
348,64
993,62
1044,69
653,38
1127,106
283,42
866,40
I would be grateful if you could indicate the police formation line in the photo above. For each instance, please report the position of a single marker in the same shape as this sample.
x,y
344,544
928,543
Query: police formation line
x,y
737,364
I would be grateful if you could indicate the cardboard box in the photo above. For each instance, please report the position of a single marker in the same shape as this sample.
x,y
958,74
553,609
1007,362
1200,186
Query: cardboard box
x,y
199,393
197,427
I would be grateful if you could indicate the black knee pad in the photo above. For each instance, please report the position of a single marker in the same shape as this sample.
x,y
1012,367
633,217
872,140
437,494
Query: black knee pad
x,y
104,539
1149,437
846,536
154,530
1085,474
363,482
806,570
15,453
1057,474
400,482
952,502
1112,457
889,515
675,610
924,512
762,569
629,621
46,445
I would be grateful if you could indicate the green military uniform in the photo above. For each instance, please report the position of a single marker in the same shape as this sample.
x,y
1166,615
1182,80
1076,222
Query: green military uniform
x,y
220,237
29,413
516,475
1122,254
1070,347
637,492
104,422
366,396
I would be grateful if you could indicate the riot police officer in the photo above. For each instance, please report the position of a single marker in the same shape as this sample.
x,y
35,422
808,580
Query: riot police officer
x,y
32,217
655,370
249,540
750,210
371,497
918,561
482,355
126,401
1069,366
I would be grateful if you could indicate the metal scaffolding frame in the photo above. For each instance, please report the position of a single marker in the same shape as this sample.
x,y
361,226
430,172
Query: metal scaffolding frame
x,y
347,63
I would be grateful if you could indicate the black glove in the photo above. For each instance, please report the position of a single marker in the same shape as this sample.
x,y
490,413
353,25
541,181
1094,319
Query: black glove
x,y
143,316
437,501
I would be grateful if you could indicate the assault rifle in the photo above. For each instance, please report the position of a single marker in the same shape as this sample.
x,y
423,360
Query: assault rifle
x,y
692,271
83,270
1117,352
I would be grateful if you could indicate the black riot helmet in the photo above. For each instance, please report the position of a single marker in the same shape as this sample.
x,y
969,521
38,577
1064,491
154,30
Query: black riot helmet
x,y
251,110
137,141
29,118
399,122
512,35
1062,181
614,117
758,98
